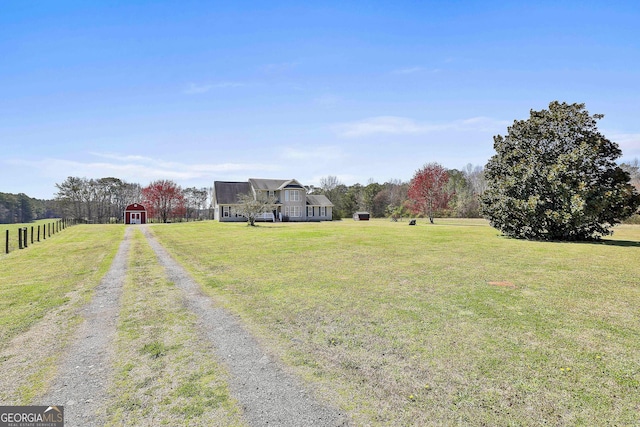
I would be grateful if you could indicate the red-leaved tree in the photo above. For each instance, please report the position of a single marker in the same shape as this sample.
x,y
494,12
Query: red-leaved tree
x,y
164,199
427,190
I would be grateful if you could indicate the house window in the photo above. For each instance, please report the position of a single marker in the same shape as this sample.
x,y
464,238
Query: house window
x,y
323,211
272,193
293,211
226,211
309,210
292,195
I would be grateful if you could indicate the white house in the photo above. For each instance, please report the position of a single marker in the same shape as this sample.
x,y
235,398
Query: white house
x,y
292,201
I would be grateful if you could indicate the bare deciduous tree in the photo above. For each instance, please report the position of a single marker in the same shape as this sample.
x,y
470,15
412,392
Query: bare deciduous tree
x,y
251,207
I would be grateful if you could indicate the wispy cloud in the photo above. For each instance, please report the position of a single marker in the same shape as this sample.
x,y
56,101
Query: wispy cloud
x,y
279,67
415,70
124,157
139,168
313,153
629,142
480,124
198,88
409,70
405,126
382,125
327,100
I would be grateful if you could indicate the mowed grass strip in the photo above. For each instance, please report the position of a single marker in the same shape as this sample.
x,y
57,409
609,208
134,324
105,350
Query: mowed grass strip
x,y
435,324
165,375
42,289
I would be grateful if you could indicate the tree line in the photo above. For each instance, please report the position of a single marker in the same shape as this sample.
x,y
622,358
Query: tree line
x,y
463,188
20,208
104,200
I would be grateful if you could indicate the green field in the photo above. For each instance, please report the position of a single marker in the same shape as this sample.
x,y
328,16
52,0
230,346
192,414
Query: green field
x,y
447,324
39,278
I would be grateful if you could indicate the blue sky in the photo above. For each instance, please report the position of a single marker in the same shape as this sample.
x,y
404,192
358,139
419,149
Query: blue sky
x,y
197,91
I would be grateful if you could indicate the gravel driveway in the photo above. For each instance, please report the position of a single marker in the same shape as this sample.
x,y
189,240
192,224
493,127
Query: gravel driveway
x,y
269,396
83,377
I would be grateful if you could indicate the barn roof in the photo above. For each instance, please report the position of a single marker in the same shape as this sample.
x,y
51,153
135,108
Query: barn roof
x,y
318,200
135,207
226,193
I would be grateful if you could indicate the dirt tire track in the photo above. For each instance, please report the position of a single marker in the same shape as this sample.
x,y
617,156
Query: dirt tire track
x,y
81,384
268,395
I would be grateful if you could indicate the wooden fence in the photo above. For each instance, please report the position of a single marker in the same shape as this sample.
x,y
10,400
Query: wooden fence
x,y
34,233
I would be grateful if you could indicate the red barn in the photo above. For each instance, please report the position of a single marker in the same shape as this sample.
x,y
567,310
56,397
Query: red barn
x,y
135,214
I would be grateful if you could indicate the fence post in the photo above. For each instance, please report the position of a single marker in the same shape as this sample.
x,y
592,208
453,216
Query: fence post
x,y
49,229
7,243
24,236
38,232
32,234
20,238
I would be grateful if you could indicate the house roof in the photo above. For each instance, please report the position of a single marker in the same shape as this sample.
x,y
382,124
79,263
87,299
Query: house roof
x,y
318,200
273,184
226,193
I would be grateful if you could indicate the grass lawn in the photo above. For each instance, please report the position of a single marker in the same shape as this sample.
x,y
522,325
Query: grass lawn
x,y
38,278
435,324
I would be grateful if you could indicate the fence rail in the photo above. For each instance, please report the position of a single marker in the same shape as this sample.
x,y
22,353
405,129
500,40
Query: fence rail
x,y
34,233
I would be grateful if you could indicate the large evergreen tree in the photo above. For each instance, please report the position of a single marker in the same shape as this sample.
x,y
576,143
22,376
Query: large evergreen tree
x,y
554,177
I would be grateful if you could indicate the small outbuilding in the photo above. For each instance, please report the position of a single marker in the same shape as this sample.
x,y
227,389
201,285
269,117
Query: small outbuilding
x,y
135,214
361,216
